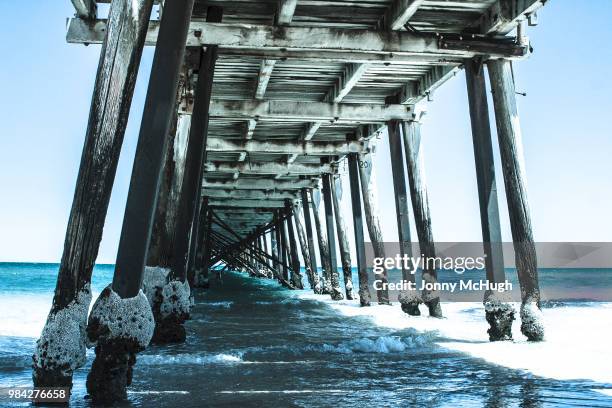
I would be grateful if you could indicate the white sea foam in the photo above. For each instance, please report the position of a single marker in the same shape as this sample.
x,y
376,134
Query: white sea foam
x,y
219,305
24,314
576,343
188,358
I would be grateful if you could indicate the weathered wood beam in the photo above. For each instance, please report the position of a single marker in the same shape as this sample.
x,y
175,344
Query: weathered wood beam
x,y
306,208
268,168
310,130
120,57
219,144
293,111
315,195
250,194
196,154
504,15
408,299
347,81
415,164
499,314
413,92
362,268
292,42
343,241
313,278
159,109
400,12
284,14
513,166
250,129
265,72
86,9
260,184
336,293
221,202
296,275
369,193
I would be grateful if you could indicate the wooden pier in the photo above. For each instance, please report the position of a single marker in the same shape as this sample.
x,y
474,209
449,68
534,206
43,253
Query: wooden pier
x,y
251,108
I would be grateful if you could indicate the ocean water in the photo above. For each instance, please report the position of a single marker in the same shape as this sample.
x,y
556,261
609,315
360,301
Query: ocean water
x,y
253,343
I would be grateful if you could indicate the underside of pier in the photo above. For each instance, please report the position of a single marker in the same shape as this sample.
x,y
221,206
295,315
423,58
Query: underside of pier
x,y
251,108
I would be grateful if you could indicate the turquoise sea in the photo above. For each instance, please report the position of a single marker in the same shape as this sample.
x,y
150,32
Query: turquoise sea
x,y
253,343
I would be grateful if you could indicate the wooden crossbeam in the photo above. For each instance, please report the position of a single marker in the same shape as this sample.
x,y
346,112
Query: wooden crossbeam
x,y
219,144
413,92
504,15
292,111
250,194
215,202
397,15
347,81
260,184
265,72
85,9
400,12
316,42
273,168
286,9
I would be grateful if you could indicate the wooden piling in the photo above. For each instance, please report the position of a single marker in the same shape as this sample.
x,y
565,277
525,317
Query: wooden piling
x,y
196,153
409,299
296,275
513,166
420,206
331,238
362,268
343,244
306,206
499,312
152,144
274,250
115,80
313,279
201,246
282,228
322,241
161,247
369,192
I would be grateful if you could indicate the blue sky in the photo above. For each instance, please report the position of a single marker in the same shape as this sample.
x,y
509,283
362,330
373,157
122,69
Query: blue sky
x,y
45,92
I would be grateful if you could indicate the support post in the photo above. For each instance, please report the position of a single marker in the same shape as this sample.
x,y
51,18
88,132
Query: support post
x,y
513,166
331,238
313,278
207,244
369,192
362,269
409,299
420,205
499,312
285,247
61,347
161,246
176,293
343,244
199,278
296,275
264,238
306,206
274,248
281,247
194,239
322,241
116,351
196,154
